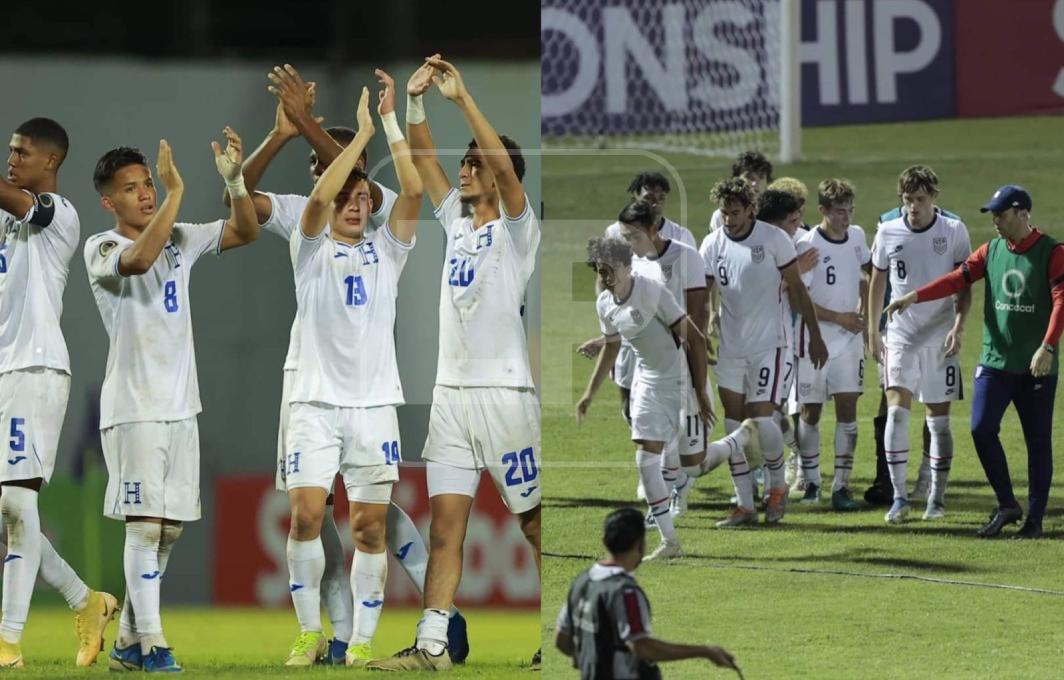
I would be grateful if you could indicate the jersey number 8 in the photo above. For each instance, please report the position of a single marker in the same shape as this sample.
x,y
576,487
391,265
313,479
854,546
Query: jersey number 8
x,y
170,296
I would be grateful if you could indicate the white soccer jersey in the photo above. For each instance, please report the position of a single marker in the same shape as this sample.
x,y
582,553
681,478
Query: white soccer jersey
x,y
485,274
835,283
287,209
35,252
151,360
346,297
915,258
669,230
747,272
645,319
789,321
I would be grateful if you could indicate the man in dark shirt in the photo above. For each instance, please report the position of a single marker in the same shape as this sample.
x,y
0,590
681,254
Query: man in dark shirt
x,y
604,624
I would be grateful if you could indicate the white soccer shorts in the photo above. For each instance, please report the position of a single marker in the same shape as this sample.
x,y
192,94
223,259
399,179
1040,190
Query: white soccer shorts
x,y
759,377
665,412
33,402
362,444
927,372
152,470
492,428
282,432
842,374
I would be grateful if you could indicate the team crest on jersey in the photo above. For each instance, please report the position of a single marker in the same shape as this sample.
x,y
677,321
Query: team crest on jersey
x,y
484,238
173,255
666,271
939,245
804,389
757,254
368,252
106,247
857,251
637,318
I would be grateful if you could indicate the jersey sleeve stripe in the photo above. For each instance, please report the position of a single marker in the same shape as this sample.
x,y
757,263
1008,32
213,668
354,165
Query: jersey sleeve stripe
x,y
398,244
523,215
438,210
784,266
632,610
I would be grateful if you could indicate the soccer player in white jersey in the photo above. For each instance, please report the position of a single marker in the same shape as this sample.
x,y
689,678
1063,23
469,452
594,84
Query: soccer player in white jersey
x,y
751,261
920,347
485,413
39,232
755,168
839,289
679,267
139,273
343,415
279,214
669,397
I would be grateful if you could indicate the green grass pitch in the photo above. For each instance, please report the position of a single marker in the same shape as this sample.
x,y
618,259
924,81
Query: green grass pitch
x,y
823,595
253,643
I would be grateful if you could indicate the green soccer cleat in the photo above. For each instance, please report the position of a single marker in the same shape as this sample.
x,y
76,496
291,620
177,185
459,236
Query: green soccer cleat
x,y
842,500
307,649
359,655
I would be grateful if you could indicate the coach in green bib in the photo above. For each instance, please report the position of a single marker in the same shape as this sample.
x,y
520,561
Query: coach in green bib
x,y
1023,316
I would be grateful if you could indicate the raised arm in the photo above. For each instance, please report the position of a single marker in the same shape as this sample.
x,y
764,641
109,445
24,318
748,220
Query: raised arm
x,y
319,207
14,200
495,155
422,148
403,219
139,257
242,227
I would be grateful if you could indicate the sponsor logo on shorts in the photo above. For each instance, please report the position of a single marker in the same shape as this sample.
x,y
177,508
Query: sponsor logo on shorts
x,y
528,492
760,392
949,391
757,254
152,576
805,389
16,460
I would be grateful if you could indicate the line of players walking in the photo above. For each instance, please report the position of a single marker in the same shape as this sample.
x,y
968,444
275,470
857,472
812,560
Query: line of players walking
x,y
348,241
794,307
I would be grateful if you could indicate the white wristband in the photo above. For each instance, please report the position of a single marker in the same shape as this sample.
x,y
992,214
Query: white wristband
x,y
415,109
391,128
236,187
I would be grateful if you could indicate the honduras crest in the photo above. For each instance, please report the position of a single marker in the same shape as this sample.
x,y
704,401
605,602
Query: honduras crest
x,y
939,245
757,254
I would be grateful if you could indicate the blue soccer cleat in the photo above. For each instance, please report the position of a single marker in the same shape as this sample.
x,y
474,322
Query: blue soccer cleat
x,y
336,654
161,660
126,658
457,638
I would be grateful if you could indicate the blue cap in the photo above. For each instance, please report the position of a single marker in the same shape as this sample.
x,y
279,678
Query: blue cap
x,y
1008,196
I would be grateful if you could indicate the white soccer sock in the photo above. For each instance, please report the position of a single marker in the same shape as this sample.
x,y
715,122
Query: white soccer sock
x,y
742,476
790,437
335,584
671,470
369,571
406,544
722,450
657,493
432,630
127,622
941,455
306,565
896,443
61,576
143,576
845,445
772,447
809,450
18,506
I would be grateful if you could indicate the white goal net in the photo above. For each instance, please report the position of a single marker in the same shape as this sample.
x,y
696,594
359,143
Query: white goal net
x,y
698,76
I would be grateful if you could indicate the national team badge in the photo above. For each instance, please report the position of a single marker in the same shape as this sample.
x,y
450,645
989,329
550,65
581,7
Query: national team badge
x,y
757,254
857,251
939,245
637,318
804,389
666,271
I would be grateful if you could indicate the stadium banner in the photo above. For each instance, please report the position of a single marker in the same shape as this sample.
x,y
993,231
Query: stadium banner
x,y
865,61
249,545
638,66
1010,57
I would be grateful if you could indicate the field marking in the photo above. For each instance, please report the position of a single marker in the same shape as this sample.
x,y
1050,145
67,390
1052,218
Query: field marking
x,y
840,572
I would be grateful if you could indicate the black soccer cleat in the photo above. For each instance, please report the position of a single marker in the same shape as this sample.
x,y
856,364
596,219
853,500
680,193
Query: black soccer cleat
x,y
1029,530
879,494
998,519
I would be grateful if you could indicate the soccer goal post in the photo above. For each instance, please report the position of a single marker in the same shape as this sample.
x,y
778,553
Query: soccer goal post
x,y
706,77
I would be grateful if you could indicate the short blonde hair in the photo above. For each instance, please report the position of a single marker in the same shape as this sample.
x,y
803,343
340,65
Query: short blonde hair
x,y
794,187
832,192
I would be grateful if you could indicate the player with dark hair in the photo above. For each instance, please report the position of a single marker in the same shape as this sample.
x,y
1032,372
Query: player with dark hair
x,y
919,348
39,232
485,411
604,624
1023,316
139,272
755,168
751,261
279,214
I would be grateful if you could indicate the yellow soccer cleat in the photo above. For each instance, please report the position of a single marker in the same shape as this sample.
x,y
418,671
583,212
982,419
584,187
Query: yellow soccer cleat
x,y
412,659
10,655
359,655
90,623
307,649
